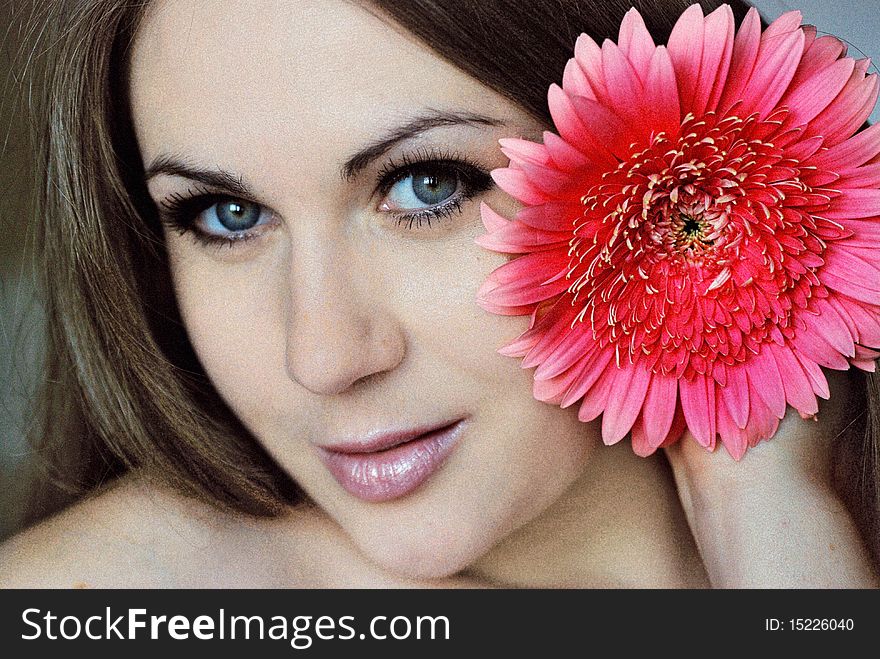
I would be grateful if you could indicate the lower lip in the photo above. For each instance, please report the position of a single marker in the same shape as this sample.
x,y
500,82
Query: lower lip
x,y
395,472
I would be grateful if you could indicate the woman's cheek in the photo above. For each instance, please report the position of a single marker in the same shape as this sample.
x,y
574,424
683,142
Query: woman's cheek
x,y
470,334
231,317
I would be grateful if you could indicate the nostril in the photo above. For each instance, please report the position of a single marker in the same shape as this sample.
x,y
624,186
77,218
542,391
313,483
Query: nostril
x,y
368,382
339,337
338,362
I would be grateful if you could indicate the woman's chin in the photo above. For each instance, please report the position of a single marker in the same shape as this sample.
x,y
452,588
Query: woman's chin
x,y
418,554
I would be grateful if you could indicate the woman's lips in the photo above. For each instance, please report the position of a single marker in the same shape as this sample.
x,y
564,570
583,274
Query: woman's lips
x,y
387,473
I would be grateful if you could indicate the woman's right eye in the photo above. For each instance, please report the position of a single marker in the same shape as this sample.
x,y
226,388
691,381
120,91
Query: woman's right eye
x,y
216,219
231,216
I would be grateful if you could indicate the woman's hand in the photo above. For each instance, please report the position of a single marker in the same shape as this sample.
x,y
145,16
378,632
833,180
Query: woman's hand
x,y
774,519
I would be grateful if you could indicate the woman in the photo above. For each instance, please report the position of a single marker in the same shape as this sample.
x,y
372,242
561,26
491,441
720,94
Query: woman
x,y
261,270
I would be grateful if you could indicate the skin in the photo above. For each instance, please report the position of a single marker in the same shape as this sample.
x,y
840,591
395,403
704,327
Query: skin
x,y
335,321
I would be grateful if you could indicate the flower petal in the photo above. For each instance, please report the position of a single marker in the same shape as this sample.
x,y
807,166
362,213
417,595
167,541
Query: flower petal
x,y
551,216
555,319
686,51
715,61
734,439
572,128
679,425
819,54
778,58
798,389
851,108
848,263
492,220
805,101
863,353
817,377
762,422
854,289
814,346
854,203
588,56
659,409
636,42
833,328
764,375
625,402
565,156
574,80
736,395
698,404
866,320
661,93
591,371
867,176
553,183
640,444
625,89
784,24
576,340
605,127
854,152
519,238
552,390
515,183
524,280
742,62
596,398
524,151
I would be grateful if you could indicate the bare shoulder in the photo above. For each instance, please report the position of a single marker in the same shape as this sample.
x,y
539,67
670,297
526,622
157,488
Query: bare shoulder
x,y
138,535
135,534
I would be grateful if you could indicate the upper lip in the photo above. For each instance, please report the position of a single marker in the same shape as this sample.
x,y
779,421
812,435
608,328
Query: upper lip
x,y
382,439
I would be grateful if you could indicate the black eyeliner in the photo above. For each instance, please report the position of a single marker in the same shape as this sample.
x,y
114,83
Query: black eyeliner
x,y
179,210
472,178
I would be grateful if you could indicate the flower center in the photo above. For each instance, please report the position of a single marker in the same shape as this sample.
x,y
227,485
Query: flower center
x,y
695,250
692,232
688,231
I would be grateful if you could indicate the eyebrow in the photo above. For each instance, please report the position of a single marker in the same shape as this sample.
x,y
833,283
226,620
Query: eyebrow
x,y
412,128
219,178
215,178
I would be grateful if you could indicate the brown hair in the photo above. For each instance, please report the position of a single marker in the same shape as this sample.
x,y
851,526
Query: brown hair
x,y
123,388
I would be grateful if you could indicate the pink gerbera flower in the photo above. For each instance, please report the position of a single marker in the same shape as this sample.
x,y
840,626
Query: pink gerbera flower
x,y
701,236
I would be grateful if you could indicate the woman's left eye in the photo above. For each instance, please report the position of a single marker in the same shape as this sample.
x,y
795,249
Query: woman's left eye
x,y
420,192
421,188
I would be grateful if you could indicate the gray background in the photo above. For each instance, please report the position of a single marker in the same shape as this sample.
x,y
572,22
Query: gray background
x,y
857,22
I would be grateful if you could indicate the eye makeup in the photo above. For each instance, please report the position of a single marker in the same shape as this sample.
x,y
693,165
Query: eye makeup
x,y
423,172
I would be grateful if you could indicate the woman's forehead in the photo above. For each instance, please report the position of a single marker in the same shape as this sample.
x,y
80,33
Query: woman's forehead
x,y
309,76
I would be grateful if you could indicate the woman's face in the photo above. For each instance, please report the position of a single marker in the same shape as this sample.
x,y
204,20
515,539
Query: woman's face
x,y
336,166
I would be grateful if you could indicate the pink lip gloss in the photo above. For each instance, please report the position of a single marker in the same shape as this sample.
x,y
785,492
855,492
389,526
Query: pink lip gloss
x,y
385,474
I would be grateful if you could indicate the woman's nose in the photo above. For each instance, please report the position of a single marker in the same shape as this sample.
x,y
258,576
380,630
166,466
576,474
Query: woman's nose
x,y
338,331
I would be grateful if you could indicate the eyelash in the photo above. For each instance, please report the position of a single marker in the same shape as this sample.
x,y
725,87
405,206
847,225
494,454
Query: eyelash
x,y
180,210
472,178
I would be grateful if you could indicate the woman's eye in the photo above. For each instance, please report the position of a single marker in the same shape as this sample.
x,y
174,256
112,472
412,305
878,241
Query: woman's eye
x,y
417,193
422,187
217,220
231,216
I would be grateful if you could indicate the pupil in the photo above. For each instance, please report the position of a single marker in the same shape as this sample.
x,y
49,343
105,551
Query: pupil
x,y
238,215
